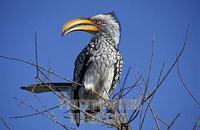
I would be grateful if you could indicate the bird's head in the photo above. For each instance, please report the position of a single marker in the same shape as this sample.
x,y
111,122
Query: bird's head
x,y
107,23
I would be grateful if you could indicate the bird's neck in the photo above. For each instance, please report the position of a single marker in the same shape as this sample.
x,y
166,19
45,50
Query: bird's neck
x,y
114,37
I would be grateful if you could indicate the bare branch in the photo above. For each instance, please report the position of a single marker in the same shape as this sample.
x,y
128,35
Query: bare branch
x,y
124,83
161,120
129,88
185,86
32,64
172,66
153,114
33,108
197,124
5,123
148,78
36,57
134,85
38,113
173,121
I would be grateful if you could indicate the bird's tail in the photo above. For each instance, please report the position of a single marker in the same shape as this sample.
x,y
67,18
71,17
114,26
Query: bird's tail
x,y
75,101
47,87
76,113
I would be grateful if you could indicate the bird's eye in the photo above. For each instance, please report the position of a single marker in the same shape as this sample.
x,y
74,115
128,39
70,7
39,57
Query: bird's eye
x,y
97,22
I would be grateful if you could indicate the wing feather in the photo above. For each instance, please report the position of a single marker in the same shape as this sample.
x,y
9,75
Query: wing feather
x,y
81,65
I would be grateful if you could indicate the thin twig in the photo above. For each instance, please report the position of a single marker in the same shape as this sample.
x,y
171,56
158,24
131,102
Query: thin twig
x,y
5,123
44,107
135,113
159,78
120,96
150,99
185,86
152,111
33,108
129,88
36,57
161,120
37,78
173,121
172,66
148,78
135,84
153,114
140,119
32,64
124,83
38,113
166,75
196,124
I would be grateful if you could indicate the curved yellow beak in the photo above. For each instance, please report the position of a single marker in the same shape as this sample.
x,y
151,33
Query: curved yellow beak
x,y
79,24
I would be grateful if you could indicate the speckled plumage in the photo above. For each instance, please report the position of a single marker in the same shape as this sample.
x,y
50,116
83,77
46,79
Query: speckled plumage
x,y
98,67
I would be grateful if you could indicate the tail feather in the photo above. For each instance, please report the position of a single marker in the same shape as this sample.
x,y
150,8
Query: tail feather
x,y
77,118
47,87
76,112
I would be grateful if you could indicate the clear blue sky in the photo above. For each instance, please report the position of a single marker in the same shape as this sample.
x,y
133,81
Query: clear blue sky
x,y
19,19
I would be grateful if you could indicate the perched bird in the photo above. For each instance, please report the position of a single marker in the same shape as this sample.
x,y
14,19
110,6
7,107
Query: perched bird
x,y
99,64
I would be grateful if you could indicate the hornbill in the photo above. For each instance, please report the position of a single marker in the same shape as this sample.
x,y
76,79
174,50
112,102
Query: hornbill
x,y
98,66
